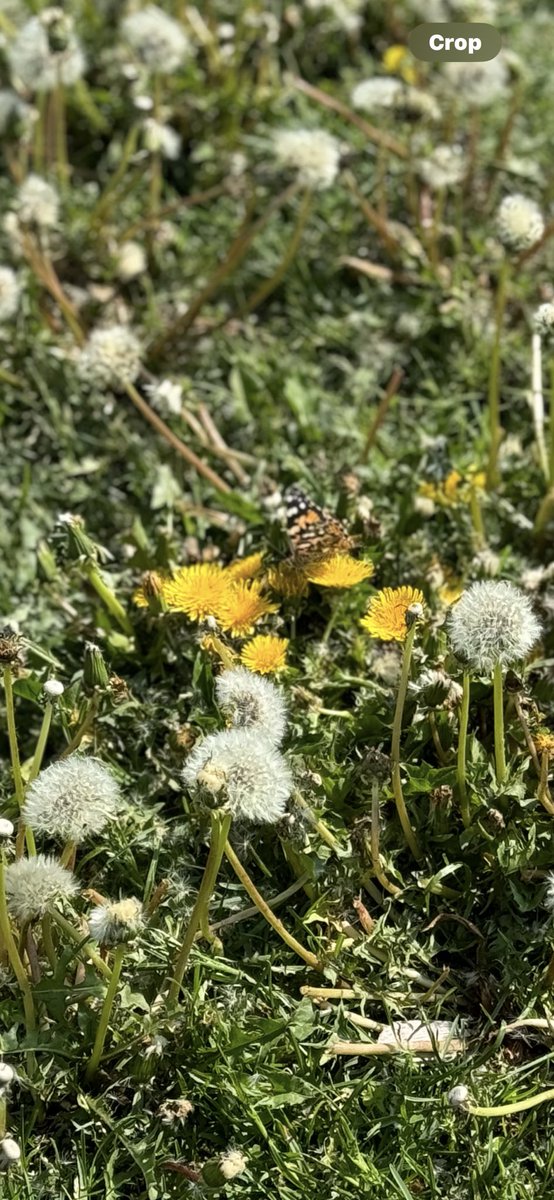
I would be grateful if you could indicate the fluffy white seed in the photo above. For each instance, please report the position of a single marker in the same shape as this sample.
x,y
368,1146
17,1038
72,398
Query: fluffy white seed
x,y
37,203
245,771
72,799
519,222
6,828
37,64
166,396
35,885
493,622
378,92
476,84
445,167
10,1153
131,260
160,138
458,1096
158,40
9,293
313,153
111,357
112,924
252,702
543,318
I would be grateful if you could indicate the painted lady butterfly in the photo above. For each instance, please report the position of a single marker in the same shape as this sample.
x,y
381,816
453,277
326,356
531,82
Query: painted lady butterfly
x,y
313,532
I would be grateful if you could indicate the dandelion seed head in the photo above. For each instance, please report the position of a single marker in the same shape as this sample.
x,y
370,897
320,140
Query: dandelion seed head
x,y
35,885
115,923
347,14
166,396
160,138
7,1075
477,84
549,897
10,292
543,318
379,92
493,622
37,203
445,167
72,799
246,767
157,40
313,153
458,1096
252,702
519,222
10,1153
42,55
110,357
6,828
131,260
53,689
172,1112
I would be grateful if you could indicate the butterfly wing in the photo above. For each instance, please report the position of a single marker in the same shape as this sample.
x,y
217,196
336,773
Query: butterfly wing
x,y
313,531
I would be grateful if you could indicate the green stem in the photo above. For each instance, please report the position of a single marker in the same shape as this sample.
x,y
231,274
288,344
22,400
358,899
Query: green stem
x,y
323,830
505,1110
395,745
96,1056
462,749
47,940
266,911
41,742
499,753
221,824
551,428
375,851
480,537
84,946
108,597
24,833
495,431
13,956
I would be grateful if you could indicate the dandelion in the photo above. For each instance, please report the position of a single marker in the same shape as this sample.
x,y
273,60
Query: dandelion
x,y
10,1153
131,261
165,396
266,654
72,799
379,92
10,292
313,153
387,615
445,167
347,14
6,828
157,40
37,203
113,923
493,623
458,1096
519,222
340,571
219,1171
241,605
544,742
175,1111
244,771
246,568
46,52
196,591
252,703
543,318
7,1076
288,580
36,885
12,653
160,138
110,357
477,84
53,689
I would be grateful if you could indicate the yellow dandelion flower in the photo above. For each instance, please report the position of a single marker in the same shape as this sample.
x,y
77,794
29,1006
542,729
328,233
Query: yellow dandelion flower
x,y
287,580
150,589
340,571
386,615
265,654
241,605
196,591
245,568
544,741
398,60
455,488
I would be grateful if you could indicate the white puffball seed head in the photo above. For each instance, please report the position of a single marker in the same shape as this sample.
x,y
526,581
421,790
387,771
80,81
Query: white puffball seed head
x,y
72,799
246,773
493,622
252,702
458,1096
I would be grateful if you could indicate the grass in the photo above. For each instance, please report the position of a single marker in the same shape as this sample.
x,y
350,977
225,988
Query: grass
x,y
317,347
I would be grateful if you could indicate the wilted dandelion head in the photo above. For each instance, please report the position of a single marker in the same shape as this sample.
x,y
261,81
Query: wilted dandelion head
x,y
493,622
46,52
9,293
35,885
219,1171
110,357
445,167
519,222
72,799
251,702
244,771
157,40
313,153
266,654
37,203
543,318
114,923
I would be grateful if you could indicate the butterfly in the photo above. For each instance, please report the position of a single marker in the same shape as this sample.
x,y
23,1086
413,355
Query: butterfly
x,y
313,532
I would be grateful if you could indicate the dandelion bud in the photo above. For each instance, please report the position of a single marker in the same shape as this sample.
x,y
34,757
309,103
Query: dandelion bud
x,y
519,222
458,1096
72,539
95,671
35,885
6,828
10,1153
72,799
117,923
243,769
493,622
543,318
218,1171
53,689
252,702
11,647
152,585
7,1075
413,613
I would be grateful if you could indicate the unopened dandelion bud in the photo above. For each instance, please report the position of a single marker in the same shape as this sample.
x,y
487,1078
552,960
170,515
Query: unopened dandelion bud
x,y
46,561
72,539
7,1075
10,1153
118,923
458,1097
53,689
434,688
6,828
152,585
95,671
219,1171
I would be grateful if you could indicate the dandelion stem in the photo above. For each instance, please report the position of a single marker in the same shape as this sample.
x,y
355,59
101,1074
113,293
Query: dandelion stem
x,y
323,830
551,428
221,823
498,697
543,790
375,852
395,745
47,940
495,431
41,741
13,956
462,749
537,403
505,1110
108,597
24,834
58,100
479,535
250,887
85,947
96,1056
